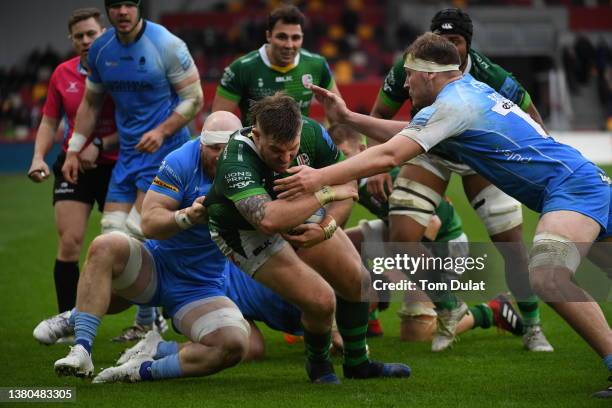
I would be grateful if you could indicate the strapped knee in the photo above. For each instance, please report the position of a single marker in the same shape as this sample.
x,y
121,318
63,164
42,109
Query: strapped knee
x,y
553,250
217,319
113,221
414,200
498,211
133,225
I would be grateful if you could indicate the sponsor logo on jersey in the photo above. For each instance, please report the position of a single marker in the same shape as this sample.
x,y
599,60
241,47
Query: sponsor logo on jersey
x,y
241,184
263,246
260,82
165,185
605,178
128,86
142,65
227,77
72,87
303,159
287,78
238,176
513,156
111,63
307,80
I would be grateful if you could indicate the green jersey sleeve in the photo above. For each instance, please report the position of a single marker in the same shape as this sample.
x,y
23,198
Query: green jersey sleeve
x,y
484,70
326,152
327,79
230,85
392,92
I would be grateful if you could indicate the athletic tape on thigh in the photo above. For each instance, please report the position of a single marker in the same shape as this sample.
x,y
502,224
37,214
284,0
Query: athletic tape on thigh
x,y
498,211
372,231
132,270
553,250
428,163
133,225
414,200
113,221
223,317
416,309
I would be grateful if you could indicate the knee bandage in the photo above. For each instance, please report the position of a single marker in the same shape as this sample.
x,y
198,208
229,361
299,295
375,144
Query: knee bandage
x,y
498,211
113,221
133,225
414,200
223,317
553,250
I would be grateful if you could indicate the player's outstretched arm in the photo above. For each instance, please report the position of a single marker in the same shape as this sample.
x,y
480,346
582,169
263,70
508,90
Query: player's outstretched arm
x,y
273,216
337,112
161,218
39,171
372,161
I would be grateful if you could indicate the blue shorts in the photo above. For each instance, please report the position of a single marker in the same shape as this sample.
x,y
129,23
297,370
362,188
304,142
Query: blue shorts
x,y
258,303
587,192
175,289
135,171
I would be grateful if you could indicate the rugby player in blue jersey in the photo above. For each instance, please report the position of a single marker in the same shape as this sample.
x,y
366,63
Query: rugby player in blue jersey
x,y
470,122
156,89
181,270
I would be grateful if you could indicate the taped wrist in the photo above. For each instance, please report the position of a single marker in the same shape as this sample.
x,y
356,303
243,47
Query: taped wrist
x,y
329,226
182,220
76,142
325,195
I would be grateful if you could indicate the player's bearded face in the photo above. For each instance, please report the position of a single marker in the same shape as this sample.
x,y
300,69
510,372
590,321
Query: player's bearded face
x,y
285,41
210,155
123,17
277,155
83,35
420,87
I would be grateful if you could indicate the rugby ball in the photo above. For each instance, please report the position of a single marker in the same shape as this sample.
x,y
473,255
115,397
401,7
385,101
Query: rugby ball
x,y
317,217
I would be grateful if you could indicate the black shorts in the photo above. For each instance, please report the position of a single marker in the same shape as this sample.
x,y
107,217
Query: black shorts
x,y
92,184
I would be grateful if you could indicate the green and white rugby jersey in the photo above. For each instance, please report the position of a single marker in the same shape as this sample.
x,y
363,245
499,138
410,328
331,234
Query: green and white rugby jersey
x,y
252,77
393,93
241,173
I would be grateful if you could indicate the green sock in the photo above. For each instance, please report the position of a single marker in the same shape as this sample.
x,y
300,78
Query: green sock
x,y
483,316
317,345
373,315
352,321
530,311
447,301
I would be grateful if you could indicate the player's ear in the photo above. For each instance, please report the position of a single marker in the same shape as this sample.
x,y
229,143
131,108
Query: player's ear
x,y
268,35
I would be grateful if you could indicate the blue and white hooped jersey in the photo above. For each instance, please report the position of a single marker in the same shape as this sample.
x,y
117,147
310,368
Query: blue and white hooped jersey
x,y
471,123
190,254
140,78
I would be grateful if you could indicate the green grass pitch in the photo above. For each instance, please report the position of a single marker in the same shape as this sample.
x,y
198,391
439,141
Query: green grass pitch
x,y
485,368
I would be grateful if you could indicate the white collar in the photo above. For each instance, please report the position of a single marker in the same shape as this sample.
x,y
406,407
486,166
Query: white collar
x,y
264,56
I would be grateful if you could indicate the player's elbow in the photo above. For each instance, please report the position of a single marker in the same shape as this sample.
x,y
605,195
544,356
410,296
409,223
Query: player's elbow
x,y
191,100
269,226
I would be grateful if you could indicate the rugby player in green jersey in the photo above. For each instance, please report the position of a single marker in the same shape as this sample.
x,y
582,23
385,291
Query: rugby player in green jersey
x,y
279,65
254,230
429,174
418,318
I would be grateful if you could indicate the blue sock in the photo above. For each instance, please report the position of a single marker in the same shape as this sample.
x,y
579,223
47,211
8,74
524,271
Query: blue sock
x,y
167,367
71,319
145,315
85,328
166,348
607,360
